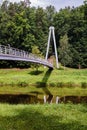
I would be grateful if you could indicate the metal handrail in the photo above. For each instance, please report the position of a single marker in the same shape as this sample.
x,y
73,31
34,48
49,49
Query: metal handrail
x,y
7,50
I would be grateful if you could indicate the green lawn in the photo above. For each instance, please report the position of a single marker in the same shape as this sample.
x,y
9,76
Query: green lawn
x,y
43,117
15,76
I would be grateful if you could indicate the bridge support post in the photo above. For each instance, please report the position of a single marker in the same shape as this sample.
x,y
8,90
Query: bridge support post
x,y
52,35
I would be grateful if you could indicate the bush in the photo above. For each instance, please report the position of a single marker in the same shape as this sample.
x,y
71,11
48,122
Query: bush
x,y
22,84
1,84
84,85
70,84
52,84
60,84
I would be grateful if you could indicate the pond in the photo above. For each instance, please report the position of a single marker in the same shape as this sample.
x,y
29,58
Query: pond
x,y
33,99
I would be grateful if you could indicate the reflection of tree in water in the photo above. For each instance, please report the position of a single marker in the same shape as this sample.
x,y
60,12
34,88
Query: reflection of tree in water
x,y
43,85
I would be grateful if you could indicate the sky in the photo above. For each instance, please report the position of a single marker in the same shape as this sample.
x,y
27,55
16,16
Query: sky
x,y
56,3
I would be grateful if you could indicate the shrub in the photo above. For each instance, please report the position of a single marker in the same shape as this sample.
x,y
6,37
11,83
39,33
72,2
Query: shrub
x,y
70,84
22,84
52,84
84,85
60,84
1,84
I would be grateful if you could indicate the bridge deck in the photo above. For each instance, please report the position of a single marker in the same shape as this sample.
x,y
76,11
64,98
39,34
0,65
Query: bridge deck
x,y
9,53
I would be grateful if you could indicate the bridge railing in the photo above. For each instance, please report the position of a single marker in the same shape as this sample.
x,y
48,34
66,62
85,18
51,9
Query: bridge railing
x,y
7,50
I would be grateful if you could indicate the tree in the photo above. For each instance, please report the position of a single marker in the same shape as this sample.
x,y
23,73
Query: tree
x,y
37,53
64,51
41,29
77,37
85,9
4,6
50,11
23,26
62,22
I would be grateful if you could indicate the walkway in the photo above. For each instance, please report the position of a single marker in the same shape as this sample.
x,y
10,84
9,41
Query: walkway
x,y
10,53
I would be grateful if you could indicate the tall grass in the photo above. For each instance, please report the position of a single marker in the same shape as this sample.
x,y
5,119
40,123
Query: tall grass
x,y
27,76
43,117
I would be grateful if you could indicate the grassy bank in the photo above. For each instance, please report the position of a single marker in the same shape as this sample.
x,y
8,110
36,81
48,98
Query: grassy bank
x,y
30,77
56,82
43,117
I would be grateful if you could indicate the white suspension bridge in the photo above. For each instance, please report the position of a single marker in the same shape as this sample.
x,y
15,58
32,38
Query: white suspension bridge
x,y
14,54
9,53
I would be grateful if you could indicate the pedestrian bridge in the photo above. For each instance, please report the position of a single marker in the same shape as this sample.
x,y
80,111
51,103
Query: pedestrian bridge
x,y
14,54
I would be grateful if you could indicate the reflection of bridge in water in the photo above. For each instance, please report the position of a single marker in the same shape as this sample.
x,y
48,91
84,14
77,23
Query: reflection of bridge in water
x,y
9,53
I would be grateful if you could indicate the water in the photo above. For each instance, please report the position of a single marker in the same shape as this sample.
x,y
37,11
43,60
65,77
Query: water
x,y
33,99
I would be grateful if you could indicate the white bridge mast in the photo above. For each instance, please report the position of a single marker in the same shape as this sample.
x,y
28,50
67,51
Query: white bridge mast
x,y
52,34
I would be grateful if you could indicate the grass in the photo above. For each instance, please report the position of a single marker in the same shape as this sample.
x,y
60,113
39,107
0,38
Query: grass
x,y
47,116
57,82
16,76
43,117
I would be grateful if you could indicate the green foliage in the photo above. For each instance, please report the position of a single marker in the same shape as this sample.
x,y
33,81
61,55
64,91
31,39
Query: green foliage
x,y
22,27
84,85
50,11
64,51
71,21
36,53
22,84
78,42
